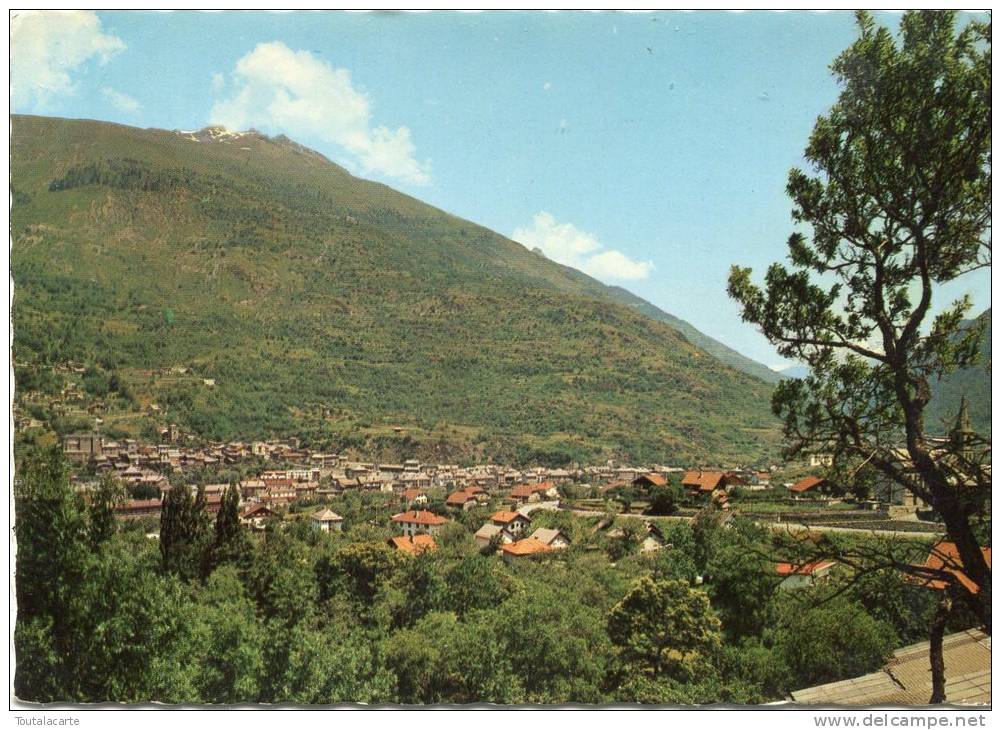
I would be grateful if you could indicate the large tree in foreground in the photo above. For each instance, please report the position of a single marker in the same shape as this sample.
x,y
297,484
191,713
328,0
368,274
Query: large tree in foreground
x,y
897,204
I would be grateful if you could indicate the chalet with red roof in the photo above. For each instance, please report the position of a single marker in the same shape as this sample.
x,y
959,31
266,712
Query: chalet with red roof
x,y
651,479
522,493
811,486
506,527
255,516
462,499
415,522
699,482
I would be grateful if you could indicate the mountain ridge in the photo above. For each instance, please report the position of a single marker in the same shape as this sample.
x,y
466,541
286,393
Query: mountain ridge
x,y
301,289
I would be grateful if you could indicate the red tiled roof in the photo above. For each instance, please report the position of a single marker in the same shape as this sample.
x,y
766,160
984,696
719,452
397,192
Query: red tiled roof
x,y
945,557
527,490
655,479
419,517
704,481
459,498
413,545
806,483
528,546
503,518
785,569
411,494
133,505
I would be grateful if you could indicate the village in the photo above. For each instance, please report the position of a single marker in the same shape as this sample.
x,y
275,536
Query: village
x,y
280,481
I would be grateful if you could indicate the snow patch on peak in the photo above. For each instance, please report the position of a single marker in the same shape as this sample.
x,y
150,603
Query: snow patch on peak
x,y
214,134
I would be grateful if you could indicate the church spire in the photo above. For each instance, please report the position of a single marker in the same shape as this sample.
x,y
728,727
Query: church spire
x,y
962,433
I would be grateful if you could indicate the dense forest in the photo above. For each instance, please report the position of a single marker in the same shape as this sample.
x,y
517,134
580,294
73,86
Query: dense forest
x,y
214,613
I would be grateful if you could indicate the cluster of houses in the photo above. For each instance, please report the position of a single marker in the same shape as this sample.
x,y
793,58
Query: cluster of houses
x,y
314,476
508,532
102,451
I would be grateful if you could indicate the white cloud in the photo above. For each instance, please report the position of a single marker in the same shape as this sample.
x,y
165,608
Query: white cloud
x,y
47,48
616,265
122,102
218,82
568,245
547,86
274,87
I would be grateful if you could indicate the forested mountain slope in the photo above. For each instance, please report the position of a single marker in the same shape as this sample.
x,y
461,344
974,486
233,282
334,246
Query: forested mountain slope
x,y
334,308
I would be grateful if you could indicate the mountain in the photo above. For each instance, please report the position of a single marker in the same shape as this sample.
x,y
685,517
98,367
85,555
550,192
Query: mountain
x,y
248,287
973,382
703,341
794,371
717,349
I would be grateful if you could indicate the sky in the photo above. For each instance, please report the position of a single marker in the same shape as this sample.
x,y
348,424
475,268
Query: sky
x,y
649,150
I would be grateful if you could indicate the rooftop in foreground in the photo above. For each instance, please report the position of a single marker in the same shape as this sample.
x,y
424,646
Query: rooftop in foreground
x,y
906,678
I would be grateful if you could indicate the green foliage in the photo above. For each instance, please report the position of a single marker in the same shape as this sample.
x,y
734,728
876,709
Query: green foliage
x,y
664,627
887,596
628,542
314,618
476,582
307,666
625,495
559,647
52,534
230,641
821,642
740,578
761,669
417,588
972,381
282,581
123,174
229,541
108,493
184,532
664,500
357,569
676,561
444,660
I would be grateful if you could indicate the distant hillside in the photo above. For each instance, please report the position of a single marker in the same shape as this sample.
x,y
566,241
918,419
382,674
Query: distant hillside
x,y
973,382
703,341
717,349
338,310
794,371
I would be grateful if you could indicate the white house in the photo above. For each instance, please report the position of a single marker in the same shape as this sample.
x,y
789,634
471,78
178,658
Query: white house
x,y
414,522
328,520
553,538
